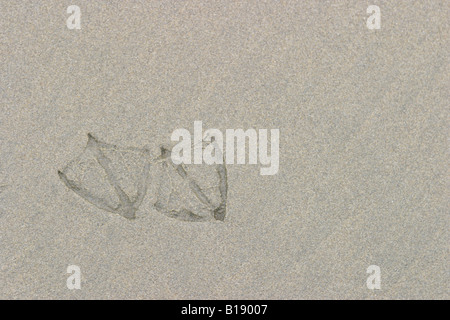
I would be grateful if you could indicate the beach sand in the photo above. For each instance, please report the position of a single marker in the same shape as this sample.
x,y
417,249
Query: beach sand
x,y
363,119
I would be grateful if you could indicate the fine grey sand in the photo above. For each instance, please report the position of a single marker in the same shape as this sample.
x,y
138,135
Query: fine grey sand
x,y
364,159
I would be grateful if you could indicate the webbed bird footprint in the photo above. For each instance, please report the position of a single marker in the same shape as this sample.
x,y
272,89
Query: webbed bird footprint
x,y
112,178
192,192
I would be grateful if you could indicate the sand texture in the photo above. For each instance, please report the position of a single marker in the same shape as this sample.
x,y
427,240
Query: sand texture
x,y
364,156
